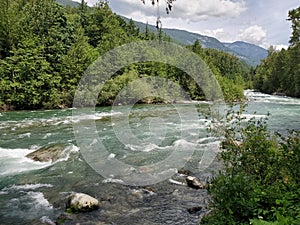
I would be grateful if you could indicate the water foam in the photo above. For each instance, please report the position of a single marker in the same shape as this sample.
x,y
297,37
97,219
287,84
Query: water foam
x,y
142,148
25,187
25,135
184,143
113,180
29,205
54,121
152,147
47,220
39,201
266,98
68,151
96,116
13,161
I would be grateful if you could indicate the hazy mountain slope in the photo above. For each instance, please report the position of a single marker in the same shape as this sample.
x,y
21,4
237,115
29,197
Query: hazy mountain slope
x,y
68,3
256,52
250,53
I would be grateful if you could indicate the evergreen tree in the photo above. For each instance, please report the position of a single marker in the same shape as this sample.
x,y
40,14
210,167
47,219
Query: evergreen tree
x,y
294,17
280,71
80,55
9,17
45,53
25,76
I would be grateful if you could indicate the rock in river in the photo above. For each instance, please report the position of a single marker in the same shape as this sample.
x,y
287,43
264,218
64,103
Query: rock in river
x,y
195,209
80,202
194,182
48,153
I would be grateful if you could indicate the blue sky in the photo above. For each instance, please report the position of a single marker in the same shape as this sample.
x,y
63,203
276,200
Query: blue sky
x,y
261,22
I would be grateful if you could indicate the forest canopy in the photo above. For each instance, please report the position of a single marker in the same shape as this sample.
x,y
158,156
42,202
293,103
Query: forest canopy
x,y
45,49
279,73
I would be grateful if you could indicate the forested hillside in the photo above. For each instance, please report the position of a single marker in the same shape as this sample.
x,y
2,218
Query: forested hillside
x,y
280,72
46,47
252,54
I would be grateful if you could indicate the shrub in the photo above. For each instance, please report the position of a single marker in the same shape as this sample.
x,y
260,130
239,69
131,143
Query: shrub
x,y
260,178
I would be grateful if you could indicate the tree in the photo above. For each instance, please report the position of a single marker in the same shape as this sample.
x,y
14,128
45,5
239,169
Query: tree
x,y
131,28
112,34
83,13
45,54
196,47
280,71
10,14
80,55
47,20
294,17
25,75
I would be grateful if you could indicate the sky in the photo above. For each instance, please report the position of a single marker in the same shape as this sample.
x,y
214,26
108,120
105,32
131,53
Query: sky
x,y
260,22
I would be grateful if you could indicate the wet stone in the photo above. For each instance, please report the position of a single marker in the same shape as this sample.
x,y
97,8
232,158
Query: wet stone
x,y
195,209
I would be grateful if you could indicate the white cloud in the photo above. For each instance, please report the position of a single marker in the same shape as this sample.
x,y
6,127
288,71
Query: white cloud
x,y
192,10
195,10
279,47
255,35
210,16
218,33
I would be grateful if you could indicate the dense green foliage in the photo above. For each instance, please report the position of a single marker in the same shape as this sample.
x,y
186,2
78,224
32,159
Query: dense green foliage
x,y
231,73
45,49
280,71
260,180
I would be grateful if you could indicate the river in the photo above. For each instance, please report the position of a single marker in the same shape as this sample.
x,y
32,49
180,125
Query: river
x,y
35,193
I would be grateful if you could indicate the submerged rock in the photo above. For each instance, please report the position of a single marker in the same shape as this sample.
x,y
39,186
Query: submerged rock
x,y
48,153
184,172
80,202
64,218
194,182
195,209
141,193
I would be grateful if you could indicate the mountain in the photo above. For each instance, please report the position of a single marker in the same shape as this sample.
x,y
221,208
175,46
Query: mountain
x,y
257,53
250,53
68,3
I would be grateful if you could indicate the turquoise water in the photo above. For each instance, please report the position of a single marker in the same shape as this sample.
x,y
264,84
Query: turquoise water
x,y
284,112
35,193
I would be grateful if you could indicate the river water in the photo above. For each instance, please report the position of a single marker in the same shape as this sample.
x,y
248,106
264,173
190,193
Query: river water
x,y
35,193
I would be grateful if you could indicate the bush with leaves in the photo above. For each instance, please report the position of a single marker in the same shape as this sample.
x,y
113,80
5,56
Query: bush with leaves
x,y
260,179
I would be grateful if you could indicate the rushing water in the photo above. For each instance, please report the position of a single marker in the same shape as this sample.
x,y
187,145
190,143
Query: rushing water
x,y
35,193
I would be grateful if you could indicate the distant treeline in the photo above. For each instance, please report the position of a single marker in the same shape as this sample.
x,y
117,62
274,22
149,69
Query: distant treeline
x,y
280,72
45,49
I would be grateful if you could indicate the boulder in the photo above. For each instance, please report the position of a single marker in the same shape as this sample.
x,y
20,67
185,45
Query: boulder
x,y
194,182
48,153
80,202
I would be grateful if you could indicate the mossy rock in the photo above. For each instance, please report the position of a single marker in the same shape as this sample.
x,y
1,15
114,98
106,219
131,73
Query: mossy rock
x,y
48,153
80,202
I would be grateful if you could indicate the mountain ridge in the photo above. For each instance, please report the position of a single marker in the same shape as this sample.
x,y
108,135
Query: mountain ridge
x,y
68,3
250,53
